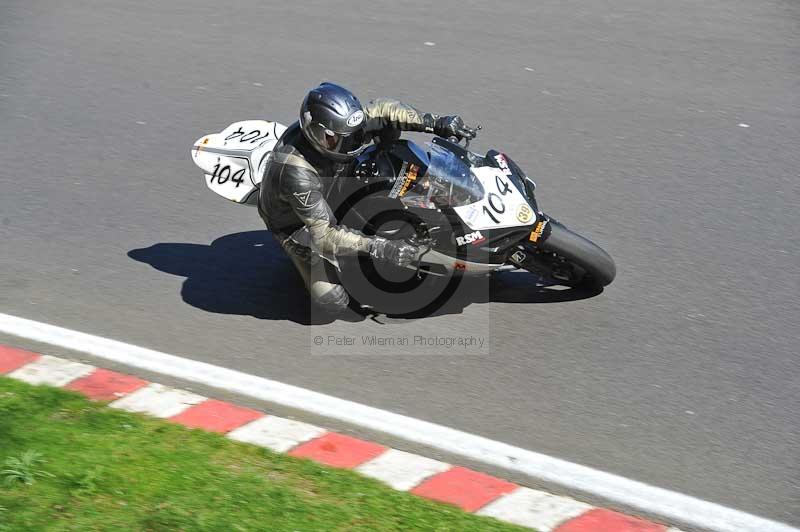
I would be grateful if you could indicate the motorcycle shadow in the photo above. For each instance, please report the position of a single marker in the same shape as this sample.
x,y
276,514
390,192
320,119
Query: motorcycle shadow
x,y
508,287
248,274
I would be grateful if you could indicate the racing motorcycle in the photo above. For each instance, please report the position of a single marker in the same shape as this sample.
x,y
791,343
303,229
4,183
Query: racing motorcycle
x,y
470,214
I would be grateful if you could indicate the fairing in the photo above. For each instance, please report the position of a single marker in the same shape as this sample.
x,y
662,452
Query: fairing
x,y
448,182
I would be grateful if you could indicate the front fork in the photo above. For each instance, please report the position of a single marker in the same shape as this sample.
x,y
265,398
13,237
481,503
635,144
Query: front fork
x,y
530,256
524,252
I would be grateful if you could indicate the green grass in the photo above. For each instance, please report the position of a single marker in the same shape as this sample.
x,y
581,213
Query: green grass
x,y
83,466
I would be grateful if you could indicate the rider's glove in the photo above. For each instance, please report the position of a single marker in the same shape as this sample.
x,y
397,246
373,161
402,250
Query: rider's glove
x,y
448,126
397,252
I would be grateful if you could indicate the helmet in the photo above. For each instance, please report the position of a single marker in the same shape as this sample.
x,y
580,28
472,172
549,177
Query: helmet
x,y
333,121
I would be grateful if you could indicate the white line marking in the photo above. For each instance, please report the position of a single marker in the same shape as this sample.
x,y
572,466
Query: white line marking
x,y
276,433
534,509
402,470
158,400
51,370
666,504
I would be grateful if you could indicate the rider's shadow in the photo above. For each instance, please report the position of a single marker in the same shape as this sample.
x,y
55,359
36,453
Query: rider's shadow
x,y
249,274
243,273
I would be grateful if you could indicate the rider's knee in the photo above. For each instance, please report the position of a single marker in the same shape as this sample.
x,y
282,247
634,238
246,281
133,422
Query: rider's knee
x,y
334,301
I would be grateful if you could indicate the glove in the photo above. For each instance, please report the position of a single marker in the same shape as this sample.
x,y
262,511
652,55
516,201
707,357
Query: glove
x,y
448,126
397,252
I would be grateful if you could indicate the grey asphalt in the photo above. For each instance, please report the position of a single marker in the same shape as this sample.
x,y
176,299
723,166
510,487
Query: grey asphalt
x,y
629,114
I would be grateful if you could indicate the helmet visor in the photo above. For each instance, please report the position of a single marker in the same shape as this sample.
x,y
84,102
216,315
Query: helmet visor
x,y
343,143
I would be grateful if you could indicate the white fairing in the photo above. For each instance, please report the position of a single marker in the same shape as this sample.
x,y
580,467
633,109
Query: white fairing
x,y
496,210
233,160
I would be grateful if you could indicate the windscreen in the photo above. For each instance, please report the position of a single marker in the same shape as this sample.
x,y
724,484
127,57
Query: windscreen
x,y
449,182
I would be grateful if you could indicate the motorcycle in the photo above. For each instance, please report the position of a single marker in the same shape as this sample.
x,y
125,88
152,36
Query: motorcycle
x,y
470,214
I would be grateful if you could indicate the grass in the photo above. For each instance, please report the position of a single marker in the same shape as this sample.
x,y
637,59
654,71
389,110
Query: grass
x,y
24,469
78,465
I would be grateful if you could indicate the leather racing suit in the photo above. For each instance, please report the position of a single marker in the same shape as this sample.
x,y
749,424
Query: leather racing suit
x,y
293,200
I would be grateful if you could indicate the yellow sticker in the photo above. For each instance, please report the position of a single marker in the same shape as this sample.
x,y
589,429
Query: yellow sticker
x,y
411,176
536,234
524,214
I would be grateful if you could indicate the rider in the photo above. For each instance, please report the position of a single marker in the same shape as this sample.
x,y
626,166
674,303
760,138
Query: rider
x,y
311,155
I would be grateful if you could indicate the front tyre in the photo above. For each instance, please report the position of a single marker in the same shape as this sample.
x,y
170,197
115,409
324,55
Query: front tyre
x,y
576,259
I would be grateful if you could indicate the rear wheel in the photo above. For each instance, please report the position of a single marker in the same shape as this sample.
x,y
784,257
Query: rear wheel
x,y
574,260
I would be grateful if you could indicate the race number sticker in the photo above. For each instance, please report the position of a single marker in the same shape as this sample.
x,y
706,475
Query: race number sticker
x,y
246,135
502,206
231,174
230,158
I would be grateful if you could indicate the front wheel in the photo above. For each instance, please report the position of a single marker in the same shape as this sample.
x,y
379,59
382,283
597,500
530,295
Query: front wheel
x,y
569,257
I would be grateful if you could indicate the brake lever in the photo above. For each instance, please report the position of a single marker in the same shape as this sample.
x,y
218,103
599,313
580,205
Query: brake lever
x,y
427,242
475,134
419,258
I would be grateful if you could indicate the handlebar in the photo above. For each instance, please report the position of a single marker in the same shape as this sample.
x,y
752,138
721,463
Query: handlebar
x,y
473,132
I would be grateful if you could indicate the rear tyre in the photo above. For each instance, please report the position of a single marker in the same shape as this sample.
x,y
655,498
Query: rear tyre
x,y
584,262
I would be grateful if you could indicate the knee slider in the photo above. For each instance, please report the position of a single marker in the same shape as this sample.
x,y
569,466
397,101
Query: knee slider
x,y
334,301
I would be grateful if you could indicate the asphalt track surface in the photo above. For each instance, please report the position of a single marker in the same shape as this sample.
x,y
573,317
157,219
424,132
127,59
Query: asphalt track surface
x,y
631,117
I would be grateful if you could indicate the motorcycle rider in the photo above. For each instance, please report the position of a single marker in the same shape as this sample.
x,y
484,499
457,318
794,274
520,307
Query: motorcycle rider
x,y
334,128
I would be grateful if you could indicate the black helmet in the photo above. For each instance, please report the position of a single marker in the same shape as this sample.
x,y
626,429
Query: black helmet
x,y
333,121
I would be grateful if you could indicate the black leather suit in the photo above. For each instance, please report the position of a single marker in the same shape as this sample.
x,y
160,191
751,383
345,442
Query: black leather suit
x,y
293,201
